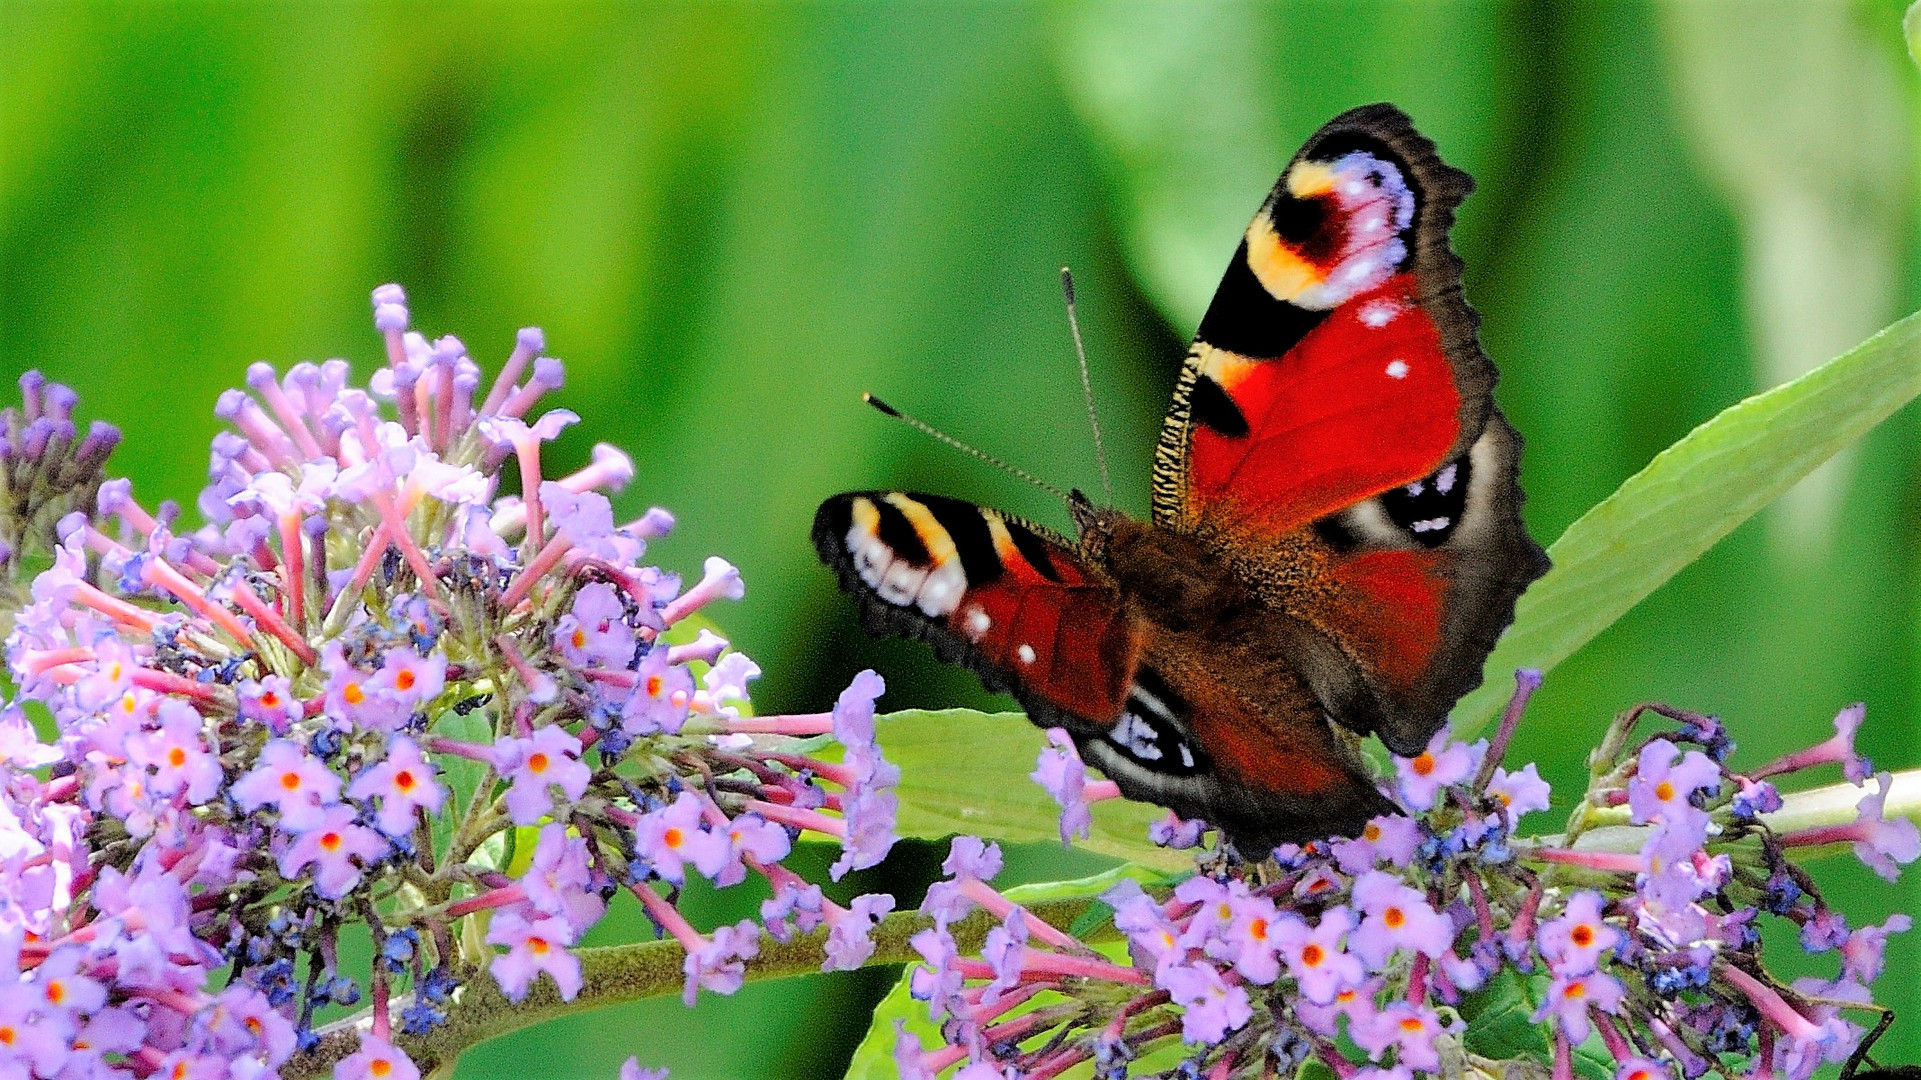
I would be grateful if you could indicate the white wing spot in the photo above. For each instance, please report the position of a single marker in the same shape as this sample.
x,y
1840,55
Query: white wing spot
x,y
1416,488
1136,736
1397,369
1429,524
1444,480
1378,313
977,622
1026,653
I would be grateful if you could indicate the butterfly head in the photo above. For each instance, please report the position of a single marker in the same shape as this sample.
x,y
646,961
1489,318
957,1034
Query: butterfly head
x,y
1095,525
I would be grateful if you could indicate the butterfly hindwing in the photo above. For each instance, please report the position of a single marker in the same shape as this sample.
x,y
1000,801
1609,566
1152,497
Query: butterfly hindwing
x,y
1208,741
1334,435
1006,599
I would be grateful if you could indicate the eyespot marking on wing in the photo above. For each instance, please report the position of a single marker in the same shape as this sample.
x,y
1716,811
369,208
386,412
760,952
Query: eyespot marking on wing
x,y
1333,230
1152,729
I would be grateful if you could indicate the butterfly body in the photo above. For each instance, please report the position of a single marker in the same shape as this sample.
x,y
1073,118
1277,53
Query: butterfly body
x,y
1335,541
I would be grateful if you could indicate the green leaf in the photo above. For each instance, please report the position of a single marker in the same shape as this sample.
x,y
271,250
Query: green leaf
x,y
1497,1021
461,775
966,772
1315,1069
1690,496
1088,886
1592,1061
874,1057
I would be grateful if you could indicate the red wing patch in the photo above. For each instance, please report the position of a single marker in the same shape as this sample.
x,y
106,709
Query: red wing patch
x,y
1391,605
1365,402
990,592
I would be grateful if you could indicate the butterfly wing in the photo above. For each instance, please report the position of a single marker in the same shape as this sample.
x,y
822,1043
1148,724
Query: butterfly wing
x,y
1334,437
1028,614
1005,599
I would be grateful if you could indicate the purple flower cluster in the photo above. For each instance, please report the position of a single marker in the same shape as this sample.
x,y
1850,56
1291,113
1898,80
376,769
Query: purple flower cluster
x,y
1381,956
366,693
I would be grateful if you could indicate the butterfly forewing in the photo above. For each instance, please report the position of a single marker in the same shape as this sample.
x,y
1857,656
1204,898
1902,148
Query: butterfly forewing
x,y
1334,436
1004,598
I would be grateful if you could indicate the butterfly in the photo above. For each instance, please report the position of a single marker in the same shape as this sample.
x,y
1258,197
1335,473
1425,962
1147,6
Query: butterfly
x,y
1335,541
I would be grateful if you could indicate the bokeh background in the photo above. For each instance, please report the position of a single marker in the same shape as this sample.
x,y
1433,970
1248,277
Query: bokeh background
x,y
730,219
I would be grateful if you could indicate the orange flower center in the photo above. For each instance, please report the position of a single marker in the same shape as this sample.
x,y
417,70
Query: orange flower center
x,y
1424,764
1371,833
1257,929
1583,935
1664,791
330,840
404,680
7,1035
380,1067
1312,956
56,991
537,762
580,638
537,945
672,838
176,757
1393,917
270,699
290,781
653,685
1412,1023
353,694
1577,989
404,780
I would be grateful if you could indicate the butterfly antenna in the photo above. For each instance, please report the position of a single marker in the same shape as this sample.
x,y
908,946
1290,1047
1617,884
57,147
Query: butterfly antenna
x,y
1087,387
930,430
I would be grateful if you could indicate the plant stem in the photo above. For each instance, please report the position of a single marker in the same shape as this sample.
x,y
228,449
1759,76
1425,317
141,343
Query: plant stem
x,y
617,974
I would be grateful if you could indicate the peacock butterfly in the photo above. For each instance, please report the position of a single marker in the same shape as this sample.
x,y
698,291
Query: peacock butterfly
x,y
1336,539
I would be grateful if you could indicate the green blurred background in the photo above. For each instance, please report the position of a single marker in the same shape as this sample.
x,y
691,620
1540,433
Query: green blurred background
x,y
732,219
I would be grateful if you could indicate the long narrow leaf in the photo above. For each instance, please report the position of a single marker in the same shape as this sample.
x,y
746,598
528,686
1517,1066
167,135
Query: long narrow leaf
x,y
1690,496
